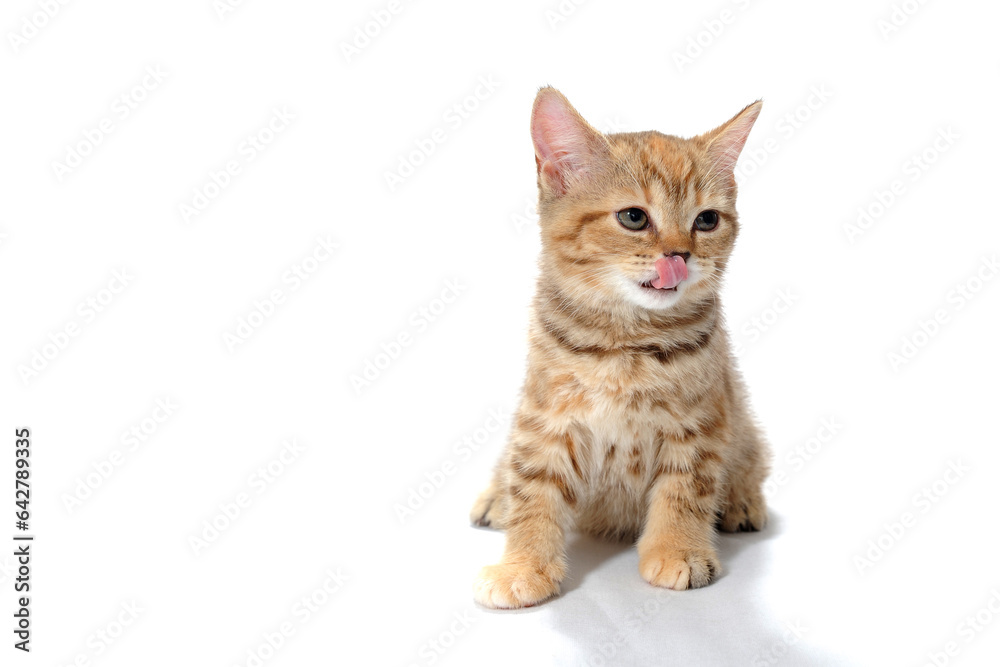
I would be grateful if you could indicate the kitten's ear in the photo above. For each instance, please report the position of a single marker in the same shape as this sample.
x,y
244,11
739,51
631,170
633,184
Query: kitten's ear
x,y
725,142
567,148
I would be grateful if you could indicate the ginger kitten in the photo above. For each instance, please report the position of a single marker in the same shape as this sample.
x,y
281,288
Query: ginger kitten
x,y
633,421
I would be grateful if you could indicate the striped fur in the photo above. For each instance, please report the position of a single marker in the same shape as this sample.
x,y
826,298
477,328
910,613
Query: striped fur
x,y
633,421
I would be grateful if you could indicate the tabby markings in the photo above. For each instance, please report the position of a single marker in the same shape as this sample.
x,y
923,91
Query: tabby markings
x,y
662,353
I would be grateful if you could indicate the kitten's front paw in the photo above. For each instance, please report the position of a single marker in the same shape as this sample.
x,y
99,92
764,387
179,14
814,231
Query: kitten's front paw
x,y
509,586
679,570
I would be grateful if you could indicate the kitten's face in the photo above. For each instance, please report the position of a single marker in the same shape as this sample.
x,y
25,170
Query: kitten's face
x,y
639,219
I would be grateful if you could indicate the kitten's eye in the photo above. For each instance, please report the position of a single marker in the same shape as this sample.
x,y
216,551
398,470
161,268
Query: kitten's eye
x,y
706,221
633,218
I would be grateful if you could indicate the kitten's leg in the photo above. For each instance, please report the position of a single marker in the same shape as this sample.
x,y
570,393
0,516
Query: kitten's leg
x,y
539,495
744,507
488,509
676,547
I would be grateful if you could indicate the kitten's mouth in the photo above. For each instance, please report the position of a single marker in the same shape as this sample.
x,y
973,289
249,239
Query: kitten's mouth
x,y
670,272
649,285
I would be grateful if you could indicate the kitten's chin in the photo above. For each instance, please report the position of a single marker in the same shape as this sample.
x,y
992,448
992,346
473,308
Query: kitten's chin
x,y
652,298
644,295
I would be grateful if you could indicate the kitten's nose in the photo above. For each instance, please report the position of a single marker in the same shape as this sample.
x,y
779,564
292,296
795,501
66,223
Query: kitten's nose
x,y
685,255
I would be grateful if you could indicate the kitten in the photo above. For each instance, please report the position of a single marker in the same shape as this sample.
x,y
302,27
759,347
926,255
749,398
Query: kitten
x,y
633,421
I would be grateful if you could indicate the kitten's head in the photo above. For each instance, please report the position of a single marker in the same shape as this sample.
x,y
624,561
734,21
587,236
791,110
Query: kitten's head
x,y
640,219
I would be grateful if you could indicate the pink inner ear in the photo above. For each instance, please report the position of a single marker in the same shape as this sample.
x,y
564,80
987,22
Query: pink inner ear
x,y
727,145
563,141
553,132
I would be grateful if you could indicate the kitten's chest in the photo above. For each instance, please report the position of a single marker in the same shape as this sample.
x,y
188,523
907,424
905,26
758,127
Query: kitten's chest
x,y
624,415
632,397
619,454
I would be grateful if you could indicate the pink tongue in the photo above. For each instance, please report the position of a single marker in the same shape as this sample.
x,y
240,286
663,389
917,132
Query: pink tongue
x,y
672,270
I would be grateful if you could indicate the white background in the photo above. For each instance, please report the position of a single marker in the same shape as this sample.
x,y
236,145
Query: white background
x,y
863,101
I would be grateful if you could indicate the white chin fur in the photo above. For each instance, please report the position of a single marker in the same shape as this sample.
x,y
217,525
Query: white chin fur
x,y
656,299
652,299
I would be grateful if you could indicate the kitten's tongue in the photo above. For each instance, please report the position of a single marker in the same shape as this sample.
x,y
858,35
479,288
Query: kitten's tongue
x,y
672,270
